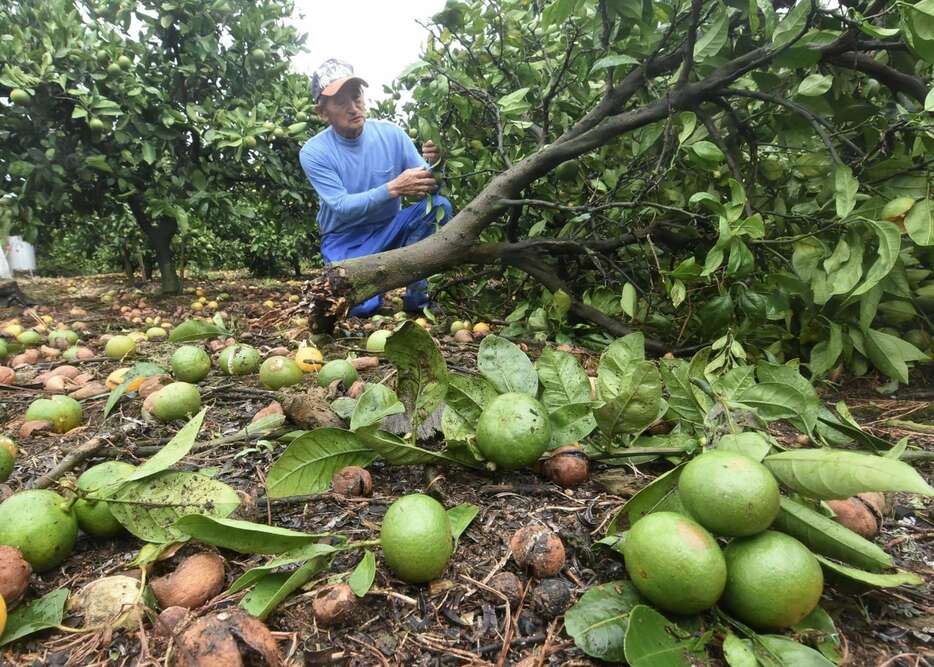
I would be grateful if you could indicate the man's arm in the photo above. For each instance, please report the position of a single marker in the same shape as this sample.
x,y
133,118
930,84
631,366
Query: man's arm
x,y
331,190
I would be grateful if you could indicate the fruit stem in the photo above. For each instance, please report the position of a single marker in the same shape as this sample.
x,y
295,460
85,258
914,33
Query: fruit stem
x,y
362,544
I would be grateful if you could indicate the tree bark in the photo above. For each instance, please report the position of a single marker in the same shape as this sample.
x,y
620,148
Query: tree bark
x,y
159,233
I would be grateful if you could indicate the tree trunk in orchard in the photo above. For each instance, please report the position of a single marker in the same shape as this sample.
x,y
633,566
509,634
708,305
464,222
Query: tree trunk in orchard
x,y
159,233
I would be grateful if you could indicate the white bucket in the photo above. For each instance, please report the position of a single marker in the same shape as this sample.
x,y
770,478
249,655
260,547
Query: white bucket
x,y
22,255
5,271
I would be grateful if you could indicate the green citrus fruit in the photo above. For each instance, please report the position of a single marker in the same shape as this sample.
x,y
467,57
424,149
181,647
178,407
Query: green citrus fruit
x,y
257,55
920,338
339,369
238,360
177,400
568,171
773,581
190,363
63,412
675,563
729,494
63,338
124,62
119,347
20,97
416,538
39,524
156,333
3,349
96,124
376,341
94,516
30,338
277,372
7,457
456,326
513,430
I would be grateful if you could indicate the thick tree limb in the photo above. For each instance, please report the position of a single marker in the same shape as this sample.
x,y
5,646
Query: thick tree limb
x,y
895,80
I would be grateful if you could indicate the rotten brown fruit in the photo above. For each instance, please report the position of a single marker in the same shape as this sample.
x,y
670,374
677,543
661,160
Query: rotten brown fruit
x,y
334,605
196,580
539,549
230,638
352,481
14,574
567,466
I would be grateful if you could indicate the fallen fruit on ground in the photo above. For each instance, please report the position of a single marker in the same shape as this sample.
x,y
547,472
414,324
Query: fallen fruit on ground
x,y
14,574
334,605
190,363
861,514
177,400
63,338
352,481
2,615
567,466
7,375
513,430
94,516
169,620
416,538
376,341
62,412
196,580
7,457
278,372
216,640
30,338
456,325
119,376
773,581
539,549
508,585
729,494
238,359
41,524
675,563
119,347
338,369
308,358
551,597
113,601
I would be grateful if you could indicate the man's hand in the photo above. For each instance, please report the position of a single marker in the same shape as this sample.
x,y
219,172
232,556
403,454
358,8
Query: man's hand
x,y
431,152
417,182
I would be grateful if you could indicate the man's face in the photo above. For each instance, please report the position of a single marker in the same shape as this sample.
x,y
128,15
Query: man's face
x,y
346,111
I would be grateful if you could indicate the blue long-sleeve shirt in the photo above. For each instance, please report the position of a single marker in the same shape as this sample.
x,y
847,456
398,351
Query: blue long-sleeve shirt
x,y
351,175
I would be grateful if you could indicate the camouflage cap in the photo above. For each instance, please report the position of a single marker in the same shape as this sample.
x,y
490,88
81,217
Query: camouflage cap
x,y
330,77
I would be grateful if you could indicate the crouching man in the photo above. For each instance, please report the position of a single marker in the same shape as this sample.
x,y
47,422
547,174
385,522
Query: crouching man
x,y
360,169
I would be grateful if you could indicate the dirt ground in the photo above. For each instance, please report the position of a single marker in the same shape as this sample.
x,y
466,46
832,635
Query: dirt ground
x,y
453,621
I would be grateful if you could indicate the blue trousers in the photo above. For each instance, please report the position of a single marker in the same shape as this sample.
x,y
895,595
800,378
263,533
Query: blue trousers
x,y
412,224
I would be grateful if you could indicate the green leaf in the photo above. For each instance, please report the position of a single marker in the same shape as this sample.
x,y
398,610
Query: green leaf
x,y
310,461
825,536
42,614
660,495
467,396
737,652
748,443
714,37
707,150
815,85
460,518
890,354
683,400
599,620
789,652
613,61
629,300
150,507
824,355
244,537
376,401
139,369
871,579
818,628
920,222
651,641
422,374
506,366
631,399
571,423
806,420
774,400
514,102
361,579
845,186
834,473
149,153
929,100
98,162
174,451
889,244
296,555
562,379
273,588
791,25
557,12
397,451
192,330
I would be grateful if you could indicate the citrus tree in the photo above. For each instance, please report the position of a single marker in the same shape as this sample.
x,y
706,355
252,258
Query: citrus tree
x,y
164,112
753,172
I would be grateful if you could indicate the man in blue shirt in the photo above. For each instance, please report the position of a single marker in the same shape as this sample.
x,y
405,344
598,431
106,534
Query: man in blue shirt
x,y
360,169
